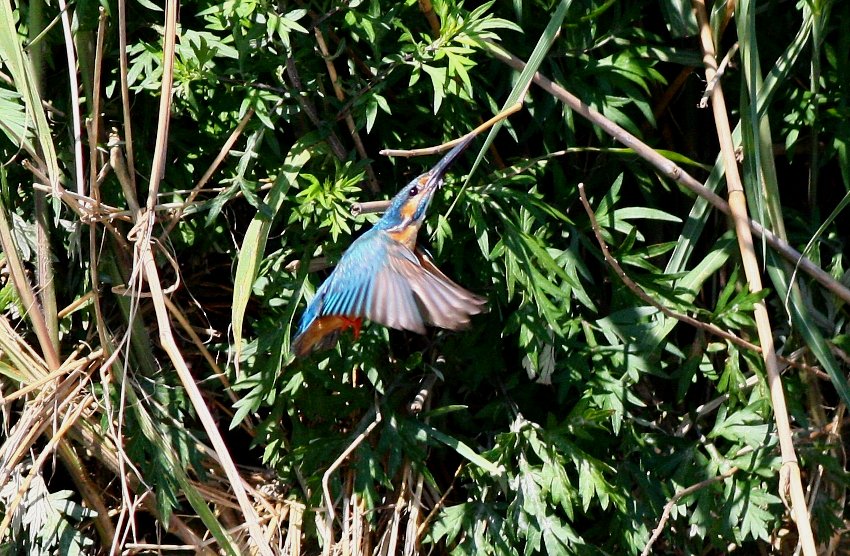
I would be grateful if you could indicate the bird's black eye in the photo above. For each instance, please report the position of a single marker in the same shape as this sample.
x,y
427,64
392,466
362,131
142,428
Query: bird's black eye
x,y
414,191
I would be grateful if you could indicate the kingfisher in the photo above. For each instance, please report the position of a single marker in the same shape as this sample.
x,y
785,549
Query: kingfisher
x,y
384,277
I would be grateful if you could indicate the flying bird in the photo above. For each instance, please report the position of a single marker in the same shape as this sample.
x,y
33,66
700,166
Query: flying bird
x,y
384,277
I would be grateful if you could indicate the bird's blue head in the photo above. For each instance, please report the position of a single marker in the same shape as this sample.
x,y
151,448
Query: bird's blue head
x,y
407,210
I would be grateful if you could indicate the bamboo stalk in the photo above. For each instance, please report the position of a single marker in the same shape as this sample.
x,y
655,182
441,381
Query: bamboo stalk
x,y
790,472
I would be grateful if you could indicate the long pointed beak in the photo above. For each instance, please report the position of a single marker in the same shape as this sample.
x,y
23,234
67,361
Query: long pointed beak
x,y
438,172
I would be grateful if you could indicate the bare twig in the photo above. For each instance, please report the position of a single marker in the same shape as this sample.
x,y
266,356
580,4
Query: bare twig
x,y
439,505
708,327
369,207
448,145
721,69
217,372
668,507
309,109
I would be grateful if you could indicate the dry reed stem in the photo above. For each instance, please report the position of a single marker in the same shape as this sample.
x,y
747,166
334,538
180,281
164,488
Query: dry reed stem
x,y
74,86
70,418
89,492
295,529
187,328
326,491
109,455
790,472
146,264
94,128
125,90
414,511
26,293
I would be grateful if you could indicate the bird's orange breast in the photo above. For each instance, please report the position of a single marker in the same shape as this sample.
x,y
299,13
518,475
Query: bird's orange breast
x,y
405,236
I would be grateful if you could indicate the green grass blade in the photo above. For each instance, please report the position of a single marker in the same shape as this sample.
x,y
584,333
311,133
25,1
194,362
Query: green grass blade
x,y
544,43
462,449
777,269
15,61
254,244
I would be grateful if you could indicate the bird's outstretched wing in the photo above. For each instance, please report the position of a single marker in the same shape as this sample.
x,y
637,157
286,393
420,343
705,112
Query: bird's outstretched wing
x,y
384,281
437,300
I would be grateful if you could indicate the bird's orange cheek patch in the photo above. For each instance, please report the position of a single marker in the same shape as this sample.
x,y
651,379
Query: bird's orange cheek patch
x,y
408,209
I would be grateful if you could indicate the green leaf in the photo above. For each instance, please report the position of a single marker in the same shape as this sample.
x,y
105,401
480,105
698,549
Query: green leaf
x,y
254,245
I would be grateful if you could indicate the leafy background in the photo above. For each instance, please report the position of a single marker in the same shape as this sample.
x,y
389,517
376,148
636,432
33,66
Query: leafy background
x,y
566,420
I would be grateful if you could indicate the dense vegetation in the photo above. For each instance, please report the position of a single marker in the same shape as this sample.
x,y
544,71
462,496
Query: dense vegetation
x,y
165,220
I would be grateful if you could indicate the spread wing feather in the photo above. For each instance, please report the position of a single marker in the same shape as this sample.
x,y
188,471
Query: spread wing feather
x,y
384,281
420,294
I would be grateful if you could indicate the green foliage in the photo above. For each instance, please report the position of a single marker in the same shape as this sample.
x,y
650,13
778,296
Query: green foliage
x,y
565,418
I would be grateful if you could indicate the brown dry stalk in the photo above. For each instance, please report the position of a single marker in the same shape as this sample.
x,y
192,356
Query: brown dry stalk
x,y
326,490
790,472
70,418
428,11
145,262
187,328
25,292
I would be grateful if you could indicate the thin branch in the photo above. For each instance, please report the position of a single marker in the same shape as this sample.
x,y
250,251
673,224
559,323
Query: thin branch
x,y
428,11
369,207
309,109
708,327
510,110
721,69
668,507
217,372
